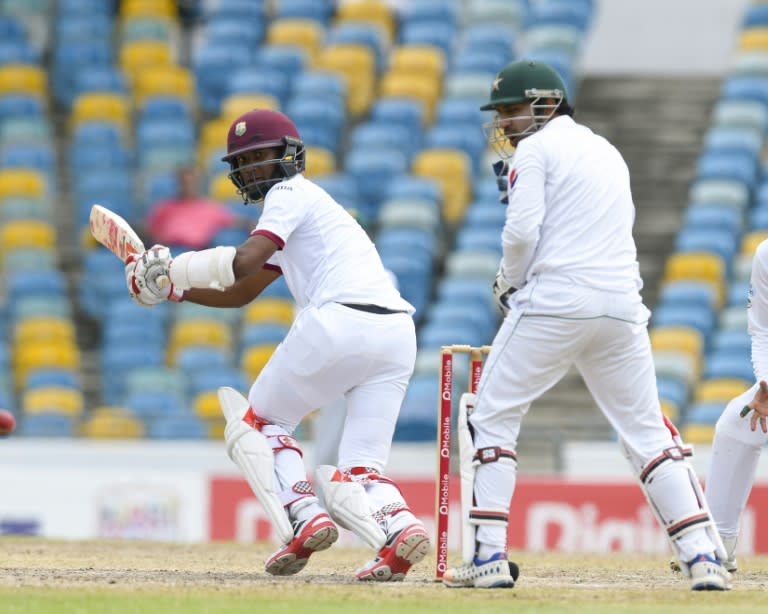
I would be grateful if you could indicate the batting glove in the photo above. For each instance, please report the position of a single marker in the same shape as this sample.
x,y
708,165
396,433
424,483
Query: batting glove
x,y
502,290
501,170
147,277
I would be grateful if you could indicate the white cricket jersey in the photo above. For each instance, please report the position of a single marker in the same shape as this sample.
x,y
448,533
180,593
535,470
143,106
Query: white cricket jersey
x,y
570,211
757,311
325,255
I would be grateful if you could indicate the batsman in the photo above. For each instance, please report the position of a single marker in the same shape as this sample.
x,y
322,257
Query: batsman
x,y
569,286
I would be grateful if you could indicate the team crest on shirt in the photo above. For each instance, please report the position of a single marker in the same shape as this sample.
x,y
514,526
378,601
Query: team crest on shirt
x,y
512,178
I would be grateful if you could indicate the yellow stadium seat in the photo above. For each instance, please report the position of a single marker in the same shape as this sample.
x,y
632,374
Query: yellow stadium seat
x,y
373,11
751,240
148,8
701,266
698,433
65,355
753,39
276,310
254,358
670,409
22,182
101,106
56,399
357,64
222,189
319,161
136,56
234,105
27,233
23,79
198,332
112,423
721,389
206,405
305,33
213,137
680,338
216,429
165,80
41,328
425,60
451,169
425,88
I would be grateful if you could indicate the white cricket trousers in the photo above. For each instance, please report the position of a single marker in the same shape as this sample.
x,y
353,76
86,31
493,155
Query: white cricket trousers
x,y
733,464
332,352
545,333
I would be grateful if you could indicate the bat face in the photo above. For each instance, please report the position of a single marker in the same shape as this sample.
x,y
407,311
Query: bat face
x,y
114,233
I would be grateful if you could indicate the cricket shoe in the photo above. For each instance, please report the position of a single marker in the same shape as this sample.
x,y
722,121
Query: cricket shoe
x,y
495,572
317,533
707,574
730,564
402,550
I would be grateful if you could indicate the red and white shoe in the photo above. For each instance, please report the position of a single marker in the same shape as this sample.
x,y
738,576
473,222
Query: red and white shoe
x,y
401,551
317,533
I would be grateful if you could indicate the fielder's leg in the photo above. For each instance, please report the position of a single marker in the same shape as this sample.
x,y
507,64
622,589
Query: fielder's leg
x,y
733,464
271,461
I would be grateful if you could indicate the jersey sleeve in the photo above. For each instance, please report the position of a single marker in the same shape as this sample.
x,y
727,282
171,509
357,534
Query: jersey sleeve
x,y
757,311
525,211
284,210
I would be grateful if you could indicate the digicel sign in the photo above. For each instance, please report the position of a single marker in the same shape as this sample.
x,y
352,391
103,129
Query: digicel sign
x,y
546,514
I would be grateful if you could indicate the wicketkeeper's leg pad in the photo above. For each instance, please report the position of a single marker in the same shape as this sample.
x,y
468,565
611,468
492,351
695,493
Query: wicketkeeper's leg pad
x,y
469,459
347,503
251,451
675,496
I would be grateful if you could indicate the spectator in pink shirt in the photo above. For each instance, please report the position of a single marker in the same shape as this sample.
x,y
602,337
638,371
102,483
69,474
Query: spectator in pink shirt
x,y
189,220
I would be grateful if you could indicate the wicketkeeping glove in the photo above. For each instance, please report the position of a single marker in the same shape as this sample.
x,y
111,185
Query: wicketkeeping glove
x,y
501,170
502,290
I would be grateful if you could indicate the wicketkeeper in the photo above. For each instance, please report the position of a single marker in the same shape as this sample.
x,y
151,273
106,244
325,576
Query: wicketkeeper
x,y
569,286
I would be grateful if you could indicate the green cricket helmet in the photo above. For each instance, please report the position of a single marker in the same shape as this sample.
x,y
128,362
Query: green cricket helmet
x,y
519,82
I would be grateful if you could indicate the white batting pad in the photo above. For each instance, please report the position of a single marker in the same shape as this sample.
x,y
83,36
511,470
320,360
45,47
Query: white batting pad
x,y
347,504
251,452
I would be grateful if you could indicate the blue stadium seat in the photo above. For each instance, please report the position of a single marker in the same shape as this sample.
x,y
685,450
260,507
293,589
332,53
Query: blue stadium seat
x,y
671,389
41,377
223,28
733,341
712,215
725,140
492,36
732,166
149,404
701,318
290,59
374,135
571,12
319,10
187,426
251,80
342,187
684,292
745,88
431,13
479,238
215,377
408,112
258,333
475,292
728,363
373,170
320,83
719,241
703,413
47,425
363,33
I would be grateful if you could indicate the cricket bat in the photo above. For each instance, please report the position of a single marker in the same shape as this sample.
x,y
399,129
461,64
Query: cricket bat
x,y
114,233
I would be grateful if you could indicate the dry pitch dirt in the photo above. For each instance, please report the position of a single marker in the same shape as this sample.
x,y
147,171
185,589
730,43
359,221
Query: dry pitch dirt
x,y
33,562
